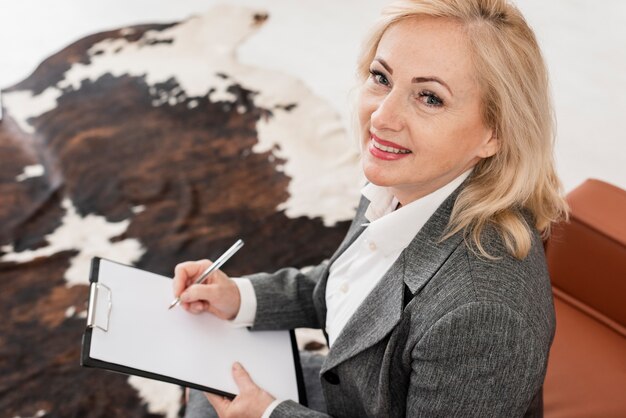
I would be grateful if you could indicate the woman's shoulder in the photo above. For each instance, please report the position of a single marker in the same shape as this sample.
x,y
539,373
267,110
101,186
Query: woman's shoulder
x,y
499,265
500,282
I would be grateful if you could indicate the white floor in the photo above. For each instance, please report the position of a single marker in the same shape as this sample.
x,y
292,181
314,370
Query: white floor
x,y
584,42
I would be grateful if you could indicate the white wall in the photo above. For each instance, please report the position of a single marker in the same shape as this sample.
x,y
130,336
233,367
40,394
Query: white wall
x,y
584,42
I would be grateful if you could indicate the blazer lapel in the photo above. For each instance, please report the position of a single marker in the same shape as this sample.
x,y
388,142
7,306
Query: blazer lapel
x,y
425,255
382,308
357,227
373,319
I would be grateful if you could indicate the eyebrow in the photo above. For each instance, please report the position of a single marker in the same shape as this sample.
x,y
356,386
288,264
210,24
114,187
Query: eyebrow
x,y
435,79
415,79
384,64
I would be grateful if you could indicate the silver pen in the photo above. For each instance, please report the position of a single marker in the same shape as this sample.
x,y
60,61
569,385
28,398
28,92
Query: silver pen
x,y
218,263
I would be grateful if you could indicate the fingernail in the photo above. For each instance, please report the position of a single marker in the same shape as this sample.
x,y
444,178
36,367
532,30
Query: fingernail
x,y
184,297
236,366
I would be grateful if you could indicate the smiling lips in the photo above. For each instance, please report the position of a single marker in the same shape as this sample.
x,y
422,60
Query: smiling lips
x,y
386,150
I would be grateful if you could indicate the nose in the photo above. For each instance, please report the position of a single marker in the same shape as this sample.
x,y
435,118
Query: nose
x,y
388,114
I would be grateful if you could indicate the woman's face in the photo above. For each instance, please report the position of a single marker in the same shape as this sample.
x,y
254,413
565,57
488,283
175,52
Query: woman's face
x,y
420,109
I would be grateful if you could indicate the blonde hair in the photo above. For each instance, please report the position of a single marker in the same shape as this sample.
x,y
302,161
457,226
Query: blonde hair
x,y
516,104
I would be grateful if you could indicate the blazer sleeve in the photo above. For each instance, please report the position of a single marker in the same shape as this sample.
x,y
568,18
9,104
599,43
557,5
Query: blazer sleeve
x,y
285,298
289,409
479,360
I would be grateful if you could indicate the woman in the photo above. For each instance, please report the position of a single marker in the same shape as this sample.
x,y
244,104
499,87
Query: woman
x,y
438,302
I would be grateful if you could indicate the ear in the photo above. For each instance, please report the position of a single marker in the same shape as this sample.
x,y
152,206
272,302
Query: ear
x,y
491,145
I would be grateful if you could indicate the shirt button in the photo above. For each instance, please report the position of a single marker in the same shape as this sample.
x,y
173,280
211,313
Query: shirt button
x,y
372,246
344,288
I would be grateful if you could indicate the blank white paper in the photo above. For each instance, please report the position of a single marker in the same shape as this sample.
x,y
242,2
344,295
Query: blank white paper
x,y
145,335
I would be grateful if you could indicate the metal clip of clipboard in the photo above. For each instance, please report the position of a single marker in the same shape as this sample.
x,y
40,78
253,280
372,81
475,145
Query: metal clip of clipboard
x,y
94,290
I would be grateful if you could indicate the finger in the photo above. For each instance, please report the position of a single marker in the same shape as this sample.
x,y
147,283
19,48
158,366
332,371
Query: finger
x,y
220,403
211,309
242,378
180,278
183,272
194,268
196,307
204,306
211,278
197,292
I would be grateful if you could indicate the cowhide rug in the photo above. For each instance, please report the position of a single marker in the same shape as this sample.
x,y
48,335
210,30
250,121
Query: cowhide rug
x,y
151,145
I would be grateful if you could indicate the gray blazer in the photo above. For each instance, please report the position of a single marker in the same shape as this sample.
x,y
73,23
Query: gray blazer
x,y
472,341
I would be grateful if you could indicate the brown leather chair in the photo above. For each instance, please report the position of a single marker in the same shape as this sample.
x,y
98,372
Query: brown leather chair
x,y
587,260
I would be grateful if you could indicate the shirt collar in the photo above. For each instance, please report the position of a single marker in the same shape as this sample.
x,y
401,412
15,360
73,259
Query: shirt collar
x,y
382,201
393,230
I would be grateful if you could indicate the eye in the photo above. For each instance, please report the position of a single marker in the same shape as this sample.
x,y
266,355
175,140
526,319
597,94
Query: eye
x,y
379,77
430,99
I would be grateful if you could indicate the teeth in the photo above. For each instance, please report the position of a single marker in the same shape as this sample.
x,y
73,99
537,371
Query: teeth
x,y
389,149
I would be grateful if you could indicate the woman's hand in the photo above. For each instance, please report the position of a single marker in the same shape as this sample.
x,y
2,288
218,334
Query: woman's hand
x,y
251,402
218,294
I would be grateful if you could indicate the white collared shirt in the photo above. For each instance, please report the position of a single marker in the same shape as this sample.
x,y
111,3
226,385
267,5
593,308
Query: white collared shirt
x,y
362,265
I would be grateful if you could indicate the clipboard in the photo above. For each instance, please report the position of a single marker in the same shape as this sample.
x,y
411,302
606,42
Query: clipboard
x,y
130,330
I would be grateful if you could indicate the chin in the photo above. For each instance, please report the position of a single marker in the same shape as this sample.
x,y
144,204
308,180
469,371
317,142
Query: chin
x,y
376,175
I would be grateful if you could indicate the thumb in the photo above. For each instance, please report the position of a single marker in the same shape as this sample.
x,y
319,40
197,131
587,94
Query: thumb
x,y
242,378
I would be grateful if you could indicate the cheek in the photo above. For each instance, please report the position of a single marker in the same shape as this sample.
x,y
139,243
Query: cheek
x,y
441,142
366,106
458,147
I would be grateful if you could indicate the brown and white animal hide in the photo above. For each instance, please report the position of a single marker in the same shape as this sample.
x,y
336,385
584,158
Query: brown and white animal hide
x,y
151,145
